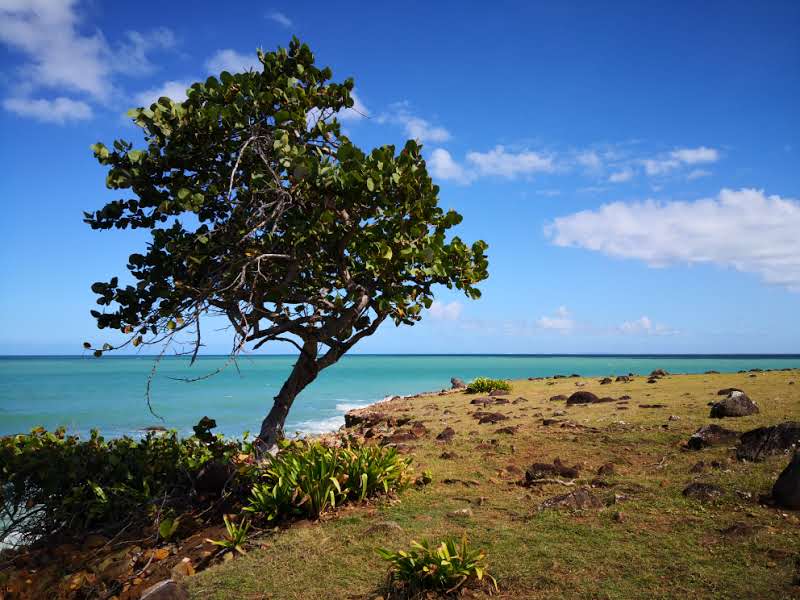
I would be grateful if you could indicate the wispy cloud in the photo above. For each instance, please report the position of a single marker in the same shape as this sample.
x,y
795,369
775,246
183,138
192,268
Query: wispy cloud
x,y
741,229
415,127
175,90
232,61
280,19
677,158
560,321
645,326
59,110
497,162
445,311
625,174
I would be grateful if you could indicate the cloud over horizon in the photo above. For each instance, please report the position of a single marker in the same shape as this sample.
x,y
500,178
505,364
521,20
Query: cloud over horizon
x,y
741,229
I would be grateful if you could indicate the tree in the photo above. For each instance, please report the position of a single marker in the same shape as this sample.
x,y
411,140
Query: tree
x,y
261,210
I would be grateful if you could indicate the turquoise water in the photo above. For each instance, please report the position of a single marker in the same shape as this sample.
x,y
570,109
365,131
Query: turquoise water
x,y
109,393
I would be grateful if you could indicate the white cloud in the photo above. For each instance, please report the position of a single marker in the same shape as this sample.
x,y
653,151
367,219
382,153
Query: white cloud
x,y
678,158
697,174
357,112
743,229
232,61
645,326
693,156
57,55
280,19
415,127
60,110
176,90
501,163
443,166
445,312
625,174
561,321
590,160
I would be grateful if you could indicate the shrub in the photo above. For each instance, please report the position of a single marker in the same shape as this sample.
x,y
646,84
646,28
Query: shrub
x,y
53,483
236,536
307,478
485,385
444,568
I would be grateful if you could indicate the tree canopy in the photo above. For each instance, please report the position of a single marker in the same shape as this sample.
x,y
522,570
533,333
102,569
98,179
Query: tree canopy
x,y
261,210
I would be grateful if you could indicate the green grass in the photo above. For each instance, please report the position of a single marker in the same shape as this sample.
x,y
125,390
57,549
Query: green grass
x,y
665,546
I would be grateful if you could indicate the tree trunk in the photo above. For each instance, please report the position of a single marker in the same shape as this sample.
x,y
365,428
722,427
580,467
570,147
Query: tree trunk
x,y
304,372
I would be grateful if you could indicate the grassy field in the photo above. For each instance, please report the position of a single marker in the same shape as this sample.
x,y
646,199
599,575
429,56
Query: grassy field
x,y
647,541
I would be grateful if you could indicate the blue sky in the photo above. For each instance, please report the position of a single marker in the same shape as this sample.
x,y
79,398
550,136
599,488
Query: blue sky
x,y
634,168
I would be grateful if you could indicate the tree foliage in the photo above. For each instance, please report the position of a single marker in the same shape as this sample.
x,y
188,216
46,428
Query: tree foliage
x,y
261,210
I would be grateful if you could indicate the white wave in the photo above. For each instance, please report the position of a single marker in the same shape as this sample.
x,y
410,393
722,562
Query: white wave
x,y
348,406
321,425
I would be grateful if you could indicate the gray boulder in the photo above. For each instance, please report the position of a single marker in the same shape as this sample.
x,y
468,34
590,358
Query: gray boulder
x,y
737,404
457,384
166,590
786,491
711,435
759,443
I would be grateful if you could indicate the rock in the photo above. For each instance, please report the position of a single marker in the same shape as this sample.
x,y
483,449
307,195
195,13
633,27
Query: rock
x,y
500,401
461,512
605,400
166,590
673,418
499,393
605,381
606,470
492,418
582,397
558,398
457,384
559,413
625,397
702,491
418,429
652,380
623,378
727,391
511,430
740,530
652,406
383,527
548,422
617,517
482,401
737,404
658,373
399,437
786,491
365,419
757,444
448,455
519,400
711,435
182,570
446,434
580,499
546,471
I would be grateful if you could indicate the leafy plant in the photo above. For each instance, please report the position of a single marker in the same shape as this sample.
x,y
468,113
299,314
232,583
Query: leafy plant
x,y
168,527
443,568
237,534
485,385
52,483
307,478
261,210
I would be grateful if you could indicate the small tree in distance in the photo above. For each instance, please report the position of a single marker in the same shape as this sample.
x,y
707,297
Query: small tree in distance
x,y
262,211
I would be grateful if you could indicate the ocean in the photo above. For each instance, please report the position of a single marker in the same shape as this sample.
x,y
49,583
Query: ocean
x,y
82,393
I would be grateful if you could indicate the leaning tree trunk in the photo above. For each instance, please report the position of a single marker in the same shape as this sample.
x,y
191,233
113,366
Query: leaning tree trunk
x,y
304,372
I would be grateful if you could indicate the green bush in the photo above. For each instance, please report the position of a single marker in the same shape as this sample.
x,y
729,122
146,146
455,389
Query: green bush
x,y
306,478
485,385
444,568
53,483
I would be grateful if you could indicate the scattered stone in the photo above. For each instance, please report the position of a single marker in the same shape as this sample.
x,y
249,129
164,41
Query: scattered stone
x,y
652,406
519,400
582,397
605,400
757,444
546,470
492,418
448,455
737,404
457,384
548,422
698,467
625,397
740,530
558,398
166,590
658,373
499,393
786,491
559,413
511,430
462,512
652,380
673,418
481,401
605,381
623,378
182,570
446,434
399,438
703,492
606,470
383,527
580,499
500,401
711,435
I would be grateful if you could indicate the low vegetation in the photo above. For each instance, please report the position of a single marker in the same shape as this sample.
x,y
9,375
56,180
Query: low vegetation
x,y
445,568
484,385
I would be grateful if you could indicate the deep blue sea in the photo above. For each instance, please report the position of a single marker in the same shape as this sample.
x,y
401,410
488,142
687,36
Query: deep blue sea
x,y
82,393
